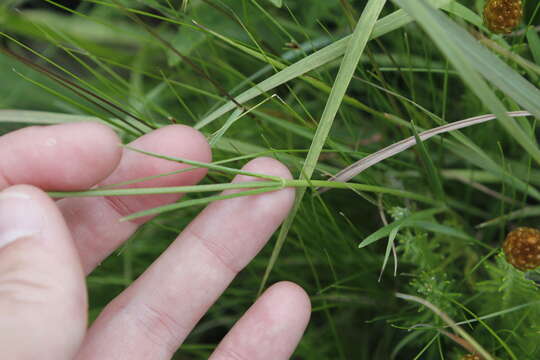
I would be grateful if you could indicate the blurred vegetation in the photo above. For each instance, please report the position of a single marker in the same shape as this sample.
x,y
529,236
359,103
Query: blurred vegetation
x,y
451,257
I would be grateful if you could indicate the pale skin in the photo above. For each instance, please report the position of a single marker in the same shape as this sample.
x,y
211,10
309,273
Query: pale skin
x,y
47,247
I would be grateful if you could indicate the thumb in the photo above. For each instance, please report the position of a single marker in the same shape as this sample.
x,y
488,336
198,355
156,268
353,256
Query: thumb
x,y
42,292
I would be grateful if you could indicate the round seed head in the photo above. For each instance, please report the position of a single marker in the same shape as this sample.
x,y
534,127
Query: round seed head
x,y
522,248
503,16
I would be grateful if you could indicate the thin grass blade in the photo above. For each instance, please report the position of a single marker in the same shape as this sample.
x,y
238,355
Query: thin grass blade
x,y
329,53
474,61
354,51
433,176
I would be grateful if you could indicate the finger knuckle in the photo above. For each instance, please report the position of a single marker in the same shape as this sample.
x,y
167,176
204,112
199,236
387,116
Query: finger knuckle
x,y
20,286
161,328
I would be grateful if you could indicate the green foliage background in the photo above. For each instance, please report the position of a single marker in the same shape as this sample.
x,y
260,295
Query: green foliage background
x,y
483,180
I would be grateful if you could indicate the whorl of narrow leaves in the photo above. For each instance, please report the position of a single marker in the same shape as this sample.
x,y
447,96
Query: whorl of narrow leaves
x,y
522,248
503,16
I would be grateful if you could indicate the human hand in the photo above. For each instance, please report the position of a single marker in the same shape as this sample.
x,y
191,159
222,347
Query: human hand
x,y
47,247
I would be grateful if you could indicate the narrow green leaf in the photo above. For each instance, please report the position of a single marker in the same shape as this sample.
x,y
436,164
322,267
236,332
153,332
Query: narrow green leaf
x,y
534,44
386,230
433,176
389,245
465,13
107,191
163,190
457,329
236,115
321,57
442,229
194,202
277,3
491,331
205,165
528,211
355,48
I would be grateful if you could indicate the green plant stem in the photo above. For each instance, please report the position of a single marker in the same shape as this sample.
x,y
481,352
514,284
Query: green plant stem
x,y
243,185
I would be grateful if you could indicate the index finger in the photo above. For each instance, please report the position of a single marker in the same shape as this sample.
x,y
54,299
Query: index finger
x,y
67,157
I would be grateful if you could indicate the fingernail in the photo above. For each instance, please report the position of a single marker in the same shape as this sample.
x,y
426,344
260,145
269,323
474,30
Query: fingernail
x,y
19,217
